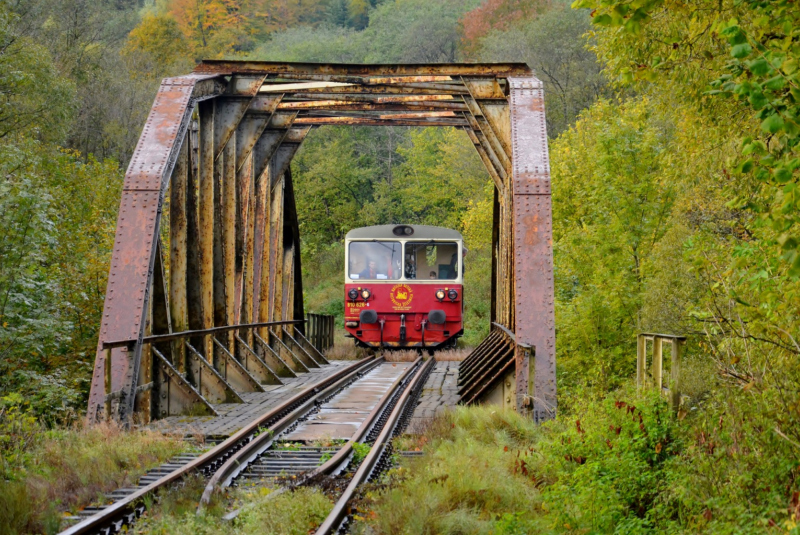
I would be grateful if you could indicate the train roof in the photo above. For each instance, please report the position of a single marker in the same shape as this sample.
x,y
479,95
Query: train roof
x,y
425,232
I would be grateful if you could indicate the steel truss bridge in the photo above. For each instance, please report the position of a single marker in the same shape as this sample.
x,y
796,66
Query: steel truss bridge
x,y
204,296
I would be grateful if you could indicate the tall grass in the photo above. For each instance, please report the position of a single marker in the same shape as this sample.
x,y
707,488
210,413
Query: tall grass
x,y
60,470
465,482
290,513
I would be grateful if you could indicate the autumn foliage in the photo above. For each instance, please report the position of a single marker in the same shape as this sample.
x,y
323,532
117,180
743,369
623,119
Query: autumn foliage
x,y
496,15
219,27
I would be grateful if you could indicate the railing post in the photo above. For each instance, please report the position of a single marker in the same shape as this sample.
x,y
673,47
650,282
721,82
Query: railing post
x,y
641,361
657,366
675,374
107,407
330,333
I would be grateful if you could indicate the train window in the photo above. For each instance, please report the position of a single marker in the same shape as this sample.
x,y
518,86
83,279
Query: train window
x,y
431,260
375,260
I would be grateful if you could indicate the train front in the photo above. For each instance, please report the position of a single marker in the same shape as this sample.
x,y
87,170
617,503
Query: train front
x,y
404,286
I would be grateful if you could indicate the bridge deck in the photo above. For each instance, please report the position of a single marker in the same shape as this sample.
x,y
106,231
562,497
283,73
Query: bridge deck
x,y
234,416
341,416
440,393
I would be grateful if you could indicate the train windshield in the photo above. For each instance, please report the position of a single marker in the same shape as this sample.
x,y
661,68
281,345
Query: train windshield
x,y
432,260
375,260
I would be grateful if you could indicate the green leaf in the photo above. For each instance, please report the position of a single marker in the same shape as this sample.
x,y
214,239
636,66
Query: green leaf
x,y
746,166
633,27
772,124
758,100
775,83
602,20
734,34
782,175
759,66
741,50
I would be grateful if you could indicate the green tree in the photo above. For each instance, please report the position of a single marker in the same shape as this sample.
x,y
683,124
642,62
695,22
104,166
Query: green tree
x,y
555,44
611,207
339,13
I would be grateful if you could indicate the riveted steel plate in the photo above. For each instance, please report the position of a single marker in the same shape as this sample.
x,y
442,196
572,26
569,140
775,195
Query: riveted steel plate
x,y
135,241
533,245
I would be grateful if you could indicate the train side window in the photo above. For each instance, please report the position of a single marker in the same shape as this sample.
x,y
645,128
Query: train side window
x,y
439,259
375,260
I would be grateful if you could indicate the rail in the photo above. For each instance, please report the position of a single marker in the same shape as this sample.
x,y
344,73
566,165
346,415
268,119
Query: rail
x,y
125,511
376,453
223,463
238,462
320,330
672,391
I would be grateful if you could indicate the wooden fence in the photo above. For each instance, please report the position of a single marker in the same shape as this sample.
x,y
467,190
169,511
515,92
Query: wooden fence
x,y
655,378
319,330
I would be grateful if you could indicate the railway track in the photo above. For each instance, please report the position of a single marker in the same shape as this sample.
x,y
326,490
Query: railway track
x,y
254,455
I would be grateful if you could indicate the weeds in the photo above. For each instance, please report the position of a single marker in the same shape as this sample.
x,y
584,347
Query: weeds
x,y
453,355
288,513
345,350
47,472
360,451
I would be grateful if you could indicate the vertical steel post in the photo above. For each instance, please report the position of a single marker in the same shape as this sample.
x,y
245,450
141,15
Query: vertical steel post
x,y
178,230
206,219
534,293
229,233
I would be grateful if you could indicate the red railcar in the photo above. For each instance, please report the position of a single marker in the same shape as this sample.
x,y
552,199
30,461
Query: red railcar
x,y
404,286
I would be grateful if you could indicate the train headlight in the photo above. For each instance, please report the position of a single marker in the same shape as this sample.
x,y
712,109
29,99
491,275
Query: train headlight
x,y
452,294
440,295
352,294
365,294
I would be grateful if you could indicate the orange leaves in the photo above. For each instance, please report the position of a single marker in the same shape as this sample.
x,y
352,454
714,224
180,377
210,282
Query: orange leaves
x,y
201,19
496,15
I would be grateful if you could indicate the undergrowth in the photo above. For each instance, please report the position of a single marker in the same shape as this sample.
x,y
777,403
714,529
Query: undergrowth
x,y
49,471
621,464
263,512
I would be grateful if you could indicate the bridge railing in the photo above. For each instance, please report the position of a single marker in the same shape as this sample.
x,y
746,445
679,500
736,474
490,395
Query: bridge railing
x,y
190,371
319,330
655,378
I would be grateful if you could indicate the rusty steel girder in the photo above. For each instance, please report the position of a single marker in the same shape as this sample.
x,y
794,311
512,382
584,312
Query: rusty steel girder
x,y
215,153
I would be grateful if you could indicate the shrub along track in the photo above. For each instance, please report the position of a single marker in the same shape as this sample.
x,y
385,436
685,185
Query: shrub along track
x,y
236,460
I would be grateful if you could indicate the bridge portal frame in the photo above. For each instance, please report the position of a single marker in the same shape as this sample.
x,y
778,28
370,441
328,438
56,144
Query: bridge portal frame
x,y
215,151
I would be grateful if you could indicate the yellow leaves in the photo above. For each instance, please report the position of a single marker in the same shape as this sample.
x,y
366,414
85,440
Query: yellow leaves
x,y
160,37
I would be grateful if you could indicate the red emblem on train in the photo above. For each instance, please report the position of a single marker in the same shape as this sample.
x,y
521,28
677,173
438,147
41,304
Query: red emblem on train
x,y
401,296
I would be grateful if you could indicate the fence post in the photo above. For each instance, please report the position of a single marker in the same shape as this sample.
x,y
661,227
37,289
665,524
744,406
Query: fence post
x,y
675,373
657,365
641,362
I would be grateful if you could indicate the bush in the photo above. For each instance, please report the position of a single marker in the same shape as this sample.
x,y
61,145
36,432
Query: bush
x,y
623,463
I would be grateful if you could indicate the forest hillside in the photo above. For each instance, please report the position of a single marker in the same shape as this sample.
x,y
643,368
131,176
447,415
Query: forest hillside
x,y
674,132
